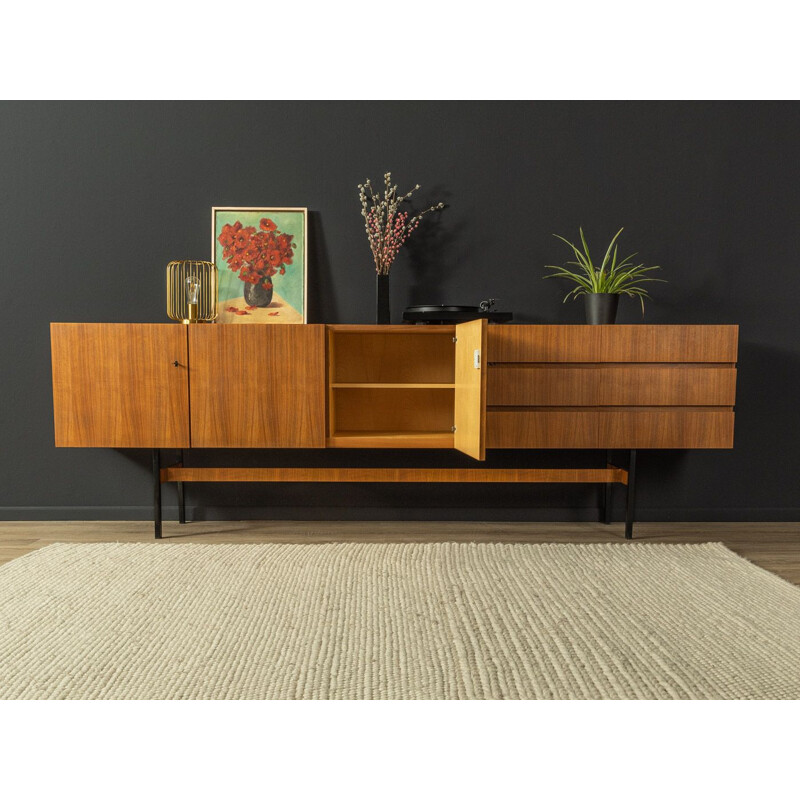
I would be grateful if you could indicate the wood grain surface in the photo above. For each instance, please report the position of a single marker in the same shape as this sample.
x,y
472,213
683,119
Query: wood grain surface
x,y
611,343
393,439
257,385
611,385
669,343
570,386
377,356
405,410
470,392
393,475
116,385
613,428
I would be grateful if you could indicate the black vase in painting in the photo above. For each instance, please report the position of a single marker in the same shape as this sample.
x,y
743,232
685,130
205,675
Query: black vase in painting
x,y
256,294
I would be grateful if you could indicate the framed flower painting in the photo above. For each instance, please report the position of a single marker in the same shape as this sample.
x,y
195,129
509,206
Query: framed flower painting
x,y
261,257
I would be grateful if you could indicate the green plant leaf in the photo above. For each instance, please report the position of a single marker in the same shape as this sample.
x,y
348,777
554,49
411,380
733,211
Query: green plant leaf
x,y
575,293
578,254
571,276
585,247
608,252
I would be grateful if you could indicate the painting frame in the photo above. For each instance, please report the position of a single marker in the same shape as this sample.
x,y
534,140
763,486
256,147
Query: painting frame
x,y
292,309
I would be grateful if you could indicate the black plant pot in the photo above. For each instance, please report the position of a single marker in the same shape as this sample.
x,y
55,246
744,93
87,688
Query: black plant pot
x,y
382,307
256,295
601,309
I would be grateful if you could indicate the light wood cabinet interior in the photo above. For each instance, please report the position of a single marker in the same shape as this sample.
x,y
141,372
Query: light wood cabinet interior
x,y
393,386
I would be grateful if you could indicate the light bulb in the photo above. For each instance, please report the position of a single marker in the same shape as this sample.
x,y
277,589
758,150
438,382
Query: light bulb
x,y
192,289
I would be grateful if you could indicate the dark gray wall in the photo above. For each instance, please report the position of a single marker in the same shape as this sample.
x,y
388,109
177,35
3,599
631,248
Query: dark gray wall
x,y
98,197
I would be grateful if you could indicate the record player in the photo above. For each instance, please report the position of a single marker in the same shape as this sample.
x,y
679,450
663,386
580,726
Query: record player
x,y
449,314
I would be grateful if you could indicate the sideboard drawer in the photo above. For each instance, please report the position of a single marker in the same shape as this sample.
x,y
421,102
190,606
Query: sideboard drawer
x,y
543,343
543,428
670,343
613,343
611,428
611,385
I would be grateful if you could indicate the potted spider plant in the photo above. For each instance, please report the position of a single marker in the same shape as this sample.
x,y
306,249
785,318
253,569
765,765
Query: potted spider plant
x,y
602,284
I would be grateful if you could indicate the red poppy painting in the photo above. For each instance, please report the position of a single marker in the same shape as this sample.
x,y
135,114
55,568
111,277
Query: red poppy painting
x,y
261,257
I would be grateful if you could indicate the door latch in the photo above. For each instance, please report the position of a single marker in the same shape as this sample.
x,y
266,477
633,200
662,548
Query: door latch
x,y
476,359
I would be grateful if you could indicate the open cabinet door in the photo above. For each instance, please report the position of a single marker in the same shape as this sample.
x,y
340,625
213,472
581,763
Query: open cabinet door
x,y
470,401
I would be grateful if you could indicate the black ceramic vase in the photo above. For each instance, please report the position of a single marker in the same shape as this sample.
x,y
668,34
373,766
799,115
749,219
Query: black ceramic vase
x,y
255,294
601,309
382,307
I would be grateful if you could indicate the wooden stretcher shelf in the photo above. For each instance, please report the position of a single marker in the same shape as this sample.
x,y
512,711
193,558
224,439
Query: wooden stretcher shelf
x,y
608,474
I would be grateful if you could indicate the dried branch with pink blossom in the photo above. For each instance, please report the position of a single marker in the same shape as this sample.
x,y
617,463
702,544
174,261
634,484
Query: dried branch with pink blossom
x,y
387,227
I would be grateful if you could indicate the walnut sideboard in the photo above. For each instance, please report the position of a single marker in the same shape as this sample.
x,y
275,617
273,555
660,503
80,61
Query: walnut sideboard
x,y
466,387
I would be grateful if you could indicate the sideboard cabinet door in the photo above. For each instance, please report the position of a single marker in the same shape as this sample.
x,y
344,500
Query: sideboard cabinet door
x,y
257,385
120,385
470,394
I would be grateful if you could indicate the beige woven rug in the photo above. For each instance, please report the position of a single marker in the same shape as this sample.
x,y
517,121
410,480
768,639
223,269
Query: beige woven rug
x,y
353,620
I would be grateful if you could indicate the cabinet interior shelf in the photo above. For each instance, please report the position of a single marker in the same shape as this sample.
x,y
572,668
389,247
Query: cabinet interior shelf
x,y
398,439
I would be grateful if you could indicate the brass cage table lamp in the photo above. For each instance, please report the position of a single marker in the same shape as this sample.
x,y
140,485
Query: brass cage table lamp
x,y
191,291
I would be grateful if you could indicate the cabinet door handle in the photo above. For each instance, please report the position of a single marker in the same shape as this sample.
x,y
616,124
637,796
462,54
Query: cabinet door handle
x,y
175,364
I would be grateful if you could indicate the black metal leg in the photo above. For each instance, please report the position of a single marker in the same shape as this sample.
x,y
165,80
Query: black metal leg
x,y
631,496
607,503
181,504
606,497
157,492
181,499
